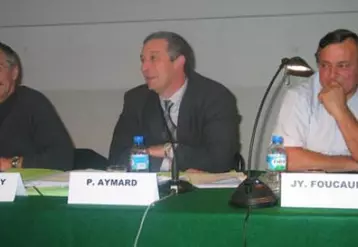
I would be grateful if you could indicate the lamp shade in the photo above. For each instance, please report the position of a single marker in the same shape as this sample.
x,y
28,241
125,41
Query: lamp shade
x,y
297,66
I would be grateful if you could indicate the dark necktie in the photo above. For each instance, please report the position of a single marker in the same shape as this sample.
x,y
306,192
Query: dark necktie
x,y
171,125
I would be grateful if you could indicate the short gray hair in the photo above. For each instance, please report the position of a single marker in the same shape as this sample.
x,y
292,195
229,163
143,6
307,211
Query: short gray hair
x,y
177,46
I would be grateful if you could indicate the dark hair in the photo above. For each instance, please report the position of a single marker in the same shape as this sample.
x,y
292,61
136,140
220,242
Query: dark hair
x,y
335,37
177,46
12,60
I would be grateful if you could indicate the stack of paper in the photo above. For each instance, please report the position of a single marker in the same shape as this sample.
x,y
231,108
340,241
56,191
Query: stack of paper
x,y
209,180
55,183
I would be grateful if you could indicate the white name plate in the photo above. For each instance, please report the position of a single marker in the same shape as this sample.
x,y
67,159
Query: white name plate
x,y
10,185
319,190
113,188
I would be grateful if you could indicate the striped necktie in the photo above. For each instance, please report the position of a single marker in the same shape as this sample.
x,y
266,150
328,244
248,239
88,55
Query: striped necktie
x,y
171,125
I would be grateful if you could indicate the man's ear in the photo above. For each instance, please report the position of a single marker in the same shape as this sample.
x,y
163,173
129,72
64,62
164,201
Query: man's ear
x,y
180,61
15,72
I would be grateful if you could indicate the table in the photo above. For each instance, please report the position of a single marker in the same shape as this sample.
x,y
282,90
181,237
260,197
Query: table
x,y
199,218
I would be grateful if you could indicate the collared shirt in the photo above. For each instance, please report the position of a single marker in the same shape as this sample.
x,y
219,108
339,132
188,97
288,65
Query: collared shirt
x,y
304,122
176,98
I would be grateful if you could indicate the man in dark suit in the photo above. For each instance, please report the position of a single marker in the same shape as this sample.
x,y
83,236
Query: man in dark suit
x,y
32,134
198,113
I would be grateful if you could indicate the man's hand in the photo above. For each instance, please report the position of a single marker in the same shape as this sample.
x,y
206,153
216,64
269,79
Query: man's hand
x,y
159,151
5,164
334,99
156,151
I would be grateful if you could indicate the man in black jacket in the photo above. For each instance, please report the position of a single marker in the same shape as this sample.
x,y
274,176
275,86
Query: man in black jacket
x,y
31,133
201,114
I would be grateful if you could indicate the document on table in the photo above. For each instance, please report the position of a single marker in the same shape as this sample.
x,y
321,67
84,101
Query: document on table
x,y
200,179
208,180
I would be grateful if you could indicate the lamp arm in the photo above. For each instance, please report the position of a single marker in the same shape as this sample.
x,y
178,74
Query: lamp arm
x,y
252,141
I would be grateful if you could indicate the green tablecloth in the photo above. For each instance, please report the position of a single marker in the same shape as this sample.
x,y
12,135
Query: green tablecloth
x,y
200,218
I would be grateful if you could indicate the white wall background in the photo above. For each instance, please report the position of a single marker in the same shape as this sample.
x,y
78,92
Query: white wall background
x,y
84,54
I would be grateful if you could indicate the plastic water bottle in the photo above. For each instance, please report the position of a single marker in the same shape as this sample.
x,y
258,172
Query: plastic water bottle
x,y
276,163
139,158
276,155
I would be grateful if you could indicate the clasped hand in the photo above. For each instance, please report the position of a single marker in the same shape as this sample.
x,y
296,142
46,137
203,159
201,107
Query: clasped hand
x,y
334,99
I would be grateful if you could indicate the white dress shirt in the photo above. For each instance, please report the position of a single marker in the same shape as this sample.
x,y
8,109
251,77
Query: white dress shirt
x,y
304,122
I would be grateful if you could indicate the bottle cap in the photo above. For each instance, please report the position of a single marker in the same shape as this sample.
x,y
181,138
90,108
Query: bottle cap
x,y
277,139
138,140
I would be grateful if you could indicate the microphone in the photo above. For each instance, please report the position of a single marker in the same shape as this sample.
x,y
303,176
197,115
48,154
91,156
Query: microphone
x,y
175,184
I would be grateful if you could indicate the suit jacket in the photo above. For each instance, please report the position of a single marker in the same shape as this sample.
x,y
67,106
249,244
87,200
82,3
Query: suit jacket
x,y
207,131
33,129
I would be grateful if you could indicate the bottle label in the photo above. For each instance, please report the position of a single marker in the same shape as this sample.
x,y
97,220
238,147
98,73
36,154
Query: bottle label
x,y
139,162
277,162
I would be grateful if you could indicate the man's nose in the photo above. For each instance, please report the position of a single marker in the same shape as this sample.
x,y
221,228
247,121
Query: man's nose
x,y
333,73
145,66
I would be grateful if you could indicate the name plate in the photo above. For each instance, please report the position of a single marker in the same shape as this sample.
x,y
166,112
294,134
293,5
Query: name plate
x,y
112,188
319,190
10,185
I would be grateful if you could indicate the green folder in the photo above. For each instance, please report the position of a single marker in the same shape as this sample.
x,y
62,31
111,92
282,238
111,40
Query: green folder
x,y
33,174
